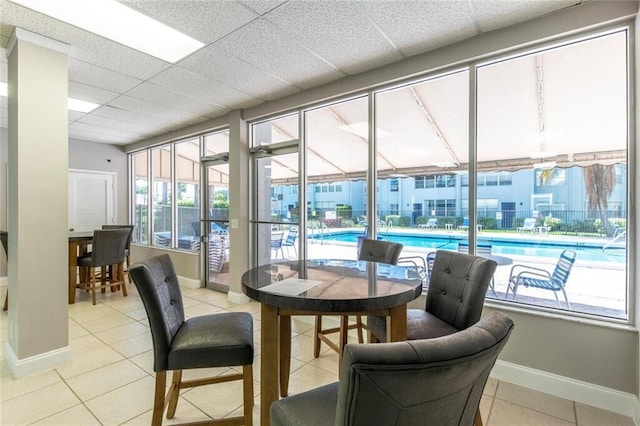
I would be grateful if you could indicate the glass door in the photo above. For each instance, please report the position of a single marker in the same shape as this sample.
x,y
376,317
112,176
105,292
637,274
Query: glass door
x,y
214,222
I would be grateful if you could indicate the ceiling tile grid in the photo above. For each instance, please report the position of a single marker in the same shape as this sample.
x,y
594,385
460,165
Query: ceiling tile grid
x,y
339,32
258,50
267,47
223,67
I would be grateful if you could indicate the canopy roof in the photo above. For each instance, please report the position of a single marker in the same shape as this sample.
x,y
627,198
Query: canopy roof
x,y
567,104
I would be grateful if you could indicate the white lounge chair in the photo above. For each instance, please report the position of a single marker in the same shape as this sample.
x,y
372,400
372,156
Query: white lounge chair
x,y
529,225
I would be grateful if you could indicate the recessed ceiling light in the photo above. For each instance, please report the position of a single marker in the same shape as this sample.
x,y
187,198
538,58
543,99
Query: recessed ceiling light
x,y
73,104
81,106
117,22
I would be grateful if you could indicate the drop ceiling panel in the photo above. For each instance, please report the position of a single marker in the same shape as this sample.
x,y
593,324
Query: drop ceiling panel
x,y
206,21
87,93
163,96
112,132
191,84
97,136
221,66
262,6
267,47
127,116
416,27
166,114
339,32
84,72
146,128
493,14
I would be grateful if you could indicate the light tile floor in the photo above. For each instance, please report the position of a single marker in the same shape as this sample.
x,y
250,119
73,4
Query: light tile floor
x,y
110,378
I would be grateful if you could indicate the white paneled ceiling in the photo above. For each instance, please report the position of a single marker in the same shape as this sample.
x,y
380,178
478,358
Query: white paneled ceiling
x,y
256,51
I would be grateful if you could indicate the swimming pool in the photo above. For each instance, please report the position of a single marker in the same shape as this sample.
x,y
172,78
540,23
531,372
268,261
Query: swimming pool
x,y
585,251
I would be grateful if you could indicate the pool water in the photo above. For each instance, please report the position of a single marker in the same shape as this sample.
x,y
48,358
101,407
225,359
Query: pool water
x,y
585,252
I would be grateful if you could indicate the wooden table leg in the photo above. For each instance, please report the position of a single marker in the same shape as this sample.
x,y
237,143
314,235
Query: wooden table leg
x,y
73,263
269,368
397,324
344,338
285,353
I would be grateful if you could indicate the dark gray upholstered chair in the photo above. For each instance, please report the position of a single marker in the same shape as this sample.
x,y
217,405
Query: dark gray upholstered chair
x,y
455,297
107,252
127,249
374,251
216,340
421,382
4,240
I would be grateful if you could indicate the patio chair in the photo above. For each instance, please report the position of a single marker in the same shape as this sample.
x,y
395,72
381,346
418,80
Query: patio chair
x,y
528,225
421,382
290,241
481,249
374,251
465,224
431,224
422,265
276,243
206,341
455,298
530,276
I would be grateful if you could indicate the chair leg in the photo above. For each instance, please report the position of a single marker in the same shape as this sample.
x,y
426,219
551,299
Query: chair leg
x,y
158,400
121,277
565,298
359,326
373,338
247,390
316,340
5,305
174,393
478,420
93,285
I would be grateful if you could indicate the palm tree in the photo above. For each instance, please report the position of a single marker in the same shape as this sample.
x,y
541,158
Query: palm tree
x,y
600,180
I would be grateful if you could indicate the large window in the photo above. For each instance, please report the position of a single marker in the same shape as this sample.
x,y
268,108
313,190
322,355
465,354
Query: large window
x,y
275,172
167,178
140,201
556,119
541,179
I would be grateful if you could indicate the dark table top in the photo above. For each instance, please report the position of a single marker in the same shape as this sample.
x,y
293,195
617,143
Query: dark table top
x,y
330,285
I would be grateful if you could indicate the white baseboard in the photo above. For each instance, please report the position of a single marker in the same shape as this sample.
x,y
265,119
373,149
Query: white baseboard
x,y
239,298
37,363
587,393
189,282
4,281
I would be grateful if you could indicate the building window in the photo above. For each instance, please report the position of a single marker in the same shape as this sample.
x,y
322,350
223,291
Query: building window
x,y
393,185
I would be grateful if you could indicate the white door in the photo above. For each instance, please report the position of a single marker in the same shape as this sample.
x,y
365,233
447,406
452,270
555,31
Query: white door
x,y
92,199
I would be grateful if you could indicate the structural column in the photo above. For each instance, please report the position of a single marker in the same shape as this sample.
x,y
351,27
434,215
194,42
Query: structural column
x,y
238,204
37,203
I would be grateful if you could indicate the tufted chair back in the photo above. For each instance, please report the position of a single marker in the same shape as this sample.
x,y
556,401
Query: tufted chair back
x,y
380,251
435,381
159,290
458,286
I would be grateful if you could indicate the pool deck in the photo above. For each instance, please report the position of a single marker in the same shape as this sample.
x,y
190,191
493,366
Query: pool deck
x,y
584,289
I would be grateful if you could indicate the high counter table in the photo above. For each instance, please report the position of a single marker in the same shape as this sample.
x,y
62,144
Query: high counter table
x,y
321,287
78,242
